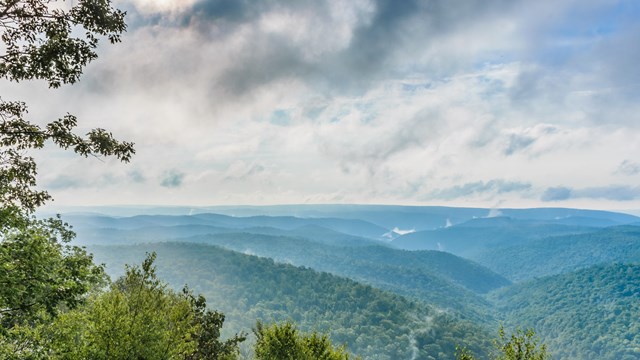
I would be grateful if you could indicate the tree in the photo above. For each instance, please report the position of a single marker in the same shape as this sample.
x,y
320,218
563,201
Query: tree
x,y
207,336
284,342
40,272
141,318
39,44
520,345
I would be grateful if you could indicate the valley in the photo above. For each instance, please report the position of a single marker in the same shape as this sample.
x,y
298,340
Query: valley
x,y
415,295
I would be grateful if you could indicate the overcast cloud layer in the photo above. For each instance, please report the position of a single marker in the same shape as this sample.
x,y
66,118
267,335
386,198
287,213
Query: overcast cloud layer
x,y
465,102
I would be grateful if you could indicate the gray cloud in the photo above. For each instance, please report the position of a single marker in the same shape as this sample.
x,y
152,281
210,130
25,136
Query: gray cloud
x,y
64,182
517,143
612,192
556,194
398,88
381,40
628,167
136,176
241,171
496,186
172,179
372,146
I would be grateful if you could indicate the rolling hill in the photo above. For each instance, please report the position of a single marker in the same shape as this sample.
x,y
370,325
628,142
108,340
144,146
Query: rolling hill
x,y
591,313
373,323
558,254
473,237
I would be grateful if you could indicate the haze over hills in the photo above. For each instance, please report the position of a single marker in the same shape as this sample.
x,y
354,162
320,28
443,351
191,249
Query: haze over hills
x,y
435,277
373,323
474,236
387,216
559,254
352,227
465,275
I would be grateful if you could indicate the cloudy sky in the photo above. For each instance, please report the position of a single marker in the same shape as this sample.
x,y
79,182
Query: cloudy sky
x,y
496,103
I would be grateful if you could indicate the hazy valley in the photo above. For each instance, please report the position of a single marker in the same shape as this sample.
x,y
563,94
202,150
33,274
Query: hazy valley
x,y
396,282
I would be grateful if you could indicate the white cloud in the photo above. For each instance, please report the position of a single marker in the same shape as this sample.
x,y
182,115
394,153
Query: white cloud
x,y
380,107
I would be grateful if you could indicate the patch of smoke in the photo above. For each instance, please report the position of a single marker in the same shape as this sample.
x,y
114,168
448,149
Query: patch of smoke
x,y
494,212
402,232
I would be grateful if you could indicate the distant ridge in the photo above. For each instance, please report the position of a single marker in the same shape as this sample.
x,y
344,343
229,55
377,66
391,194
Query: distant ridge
x,y
385,216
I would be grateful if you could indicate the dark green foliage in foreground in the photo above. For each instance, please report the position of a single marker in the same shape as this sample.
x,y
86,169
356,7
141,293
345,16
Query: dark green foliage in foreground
x,y
285,342
41,275
372,323
587,314
140,318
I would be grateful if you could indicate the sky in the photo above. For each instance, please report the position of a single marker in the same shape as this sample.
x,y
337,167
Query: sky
x,y
490,103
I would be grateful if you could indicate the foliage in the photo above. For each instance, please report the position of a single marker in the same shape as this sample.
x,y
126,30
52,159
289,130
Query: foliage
x,y
462,353
372,323
208,334
38,40
520,345
39,43
140,318
18,170
40,272
587,314
559,254
284,342
435,277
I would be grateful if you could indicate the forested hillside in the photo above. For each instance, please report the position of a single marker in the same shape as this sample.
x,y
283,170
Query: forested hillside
x,y
471,238
373,323
558,254
349,226
587,314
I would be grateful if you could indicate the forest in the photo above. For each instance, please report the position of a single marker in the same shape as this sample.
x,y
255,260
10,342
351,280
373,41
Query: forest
x,y
468,297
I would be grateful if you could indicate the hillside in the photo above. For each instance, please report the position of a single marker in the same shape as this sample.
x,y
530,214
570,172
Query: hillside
x,y
89,234
373,323
417,218
473,237
554,255
353,227
437,278
587,314
433,277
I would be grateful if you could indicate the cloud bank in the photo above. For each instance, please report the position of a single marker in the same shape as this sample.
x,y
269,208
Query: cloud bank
x,y
372,101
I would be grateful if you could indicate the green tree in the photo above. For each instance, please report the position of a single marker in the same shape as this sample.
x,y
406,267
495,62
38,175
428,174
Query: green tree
x,y
207,335
284,342
520,345
39,43
40,271
140,318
